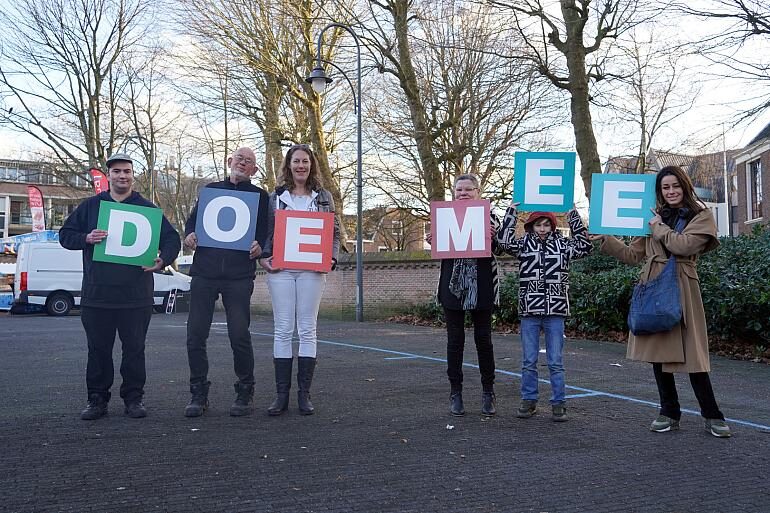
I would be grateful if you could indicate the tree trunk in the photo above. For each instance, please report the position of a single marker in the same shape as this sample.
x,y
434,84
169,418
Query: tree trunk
x,y
432,175
585,139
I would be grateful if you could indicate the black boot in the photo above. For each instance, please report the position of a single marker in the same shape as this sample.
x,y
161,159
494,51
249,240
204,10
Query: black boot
x,y
242,404
282,386
488,404
305,369
456,407
199,401
96,408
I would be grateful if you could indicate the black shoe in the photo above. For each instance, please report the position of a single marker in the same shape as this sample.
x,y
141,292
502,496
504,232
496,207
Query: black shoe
x,y
305,370
527,408
136,410
199,402
456,407
242,404
96,409
488,404
282,386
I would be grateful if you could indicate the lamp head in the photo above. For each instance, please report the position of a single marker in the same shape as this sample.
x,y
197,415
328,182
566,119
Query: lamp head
x,y
318,79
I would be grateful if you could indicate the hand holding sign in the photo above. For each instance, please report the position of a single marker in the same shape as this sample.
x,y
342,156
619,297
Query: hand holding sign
x,y
460,229
226,219
132,234
303,240
544,181
96,236
620,204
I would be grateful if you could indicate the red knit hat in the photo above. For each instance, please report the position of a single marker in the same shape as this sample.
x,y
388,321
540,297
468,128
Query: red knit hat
x,y
534,216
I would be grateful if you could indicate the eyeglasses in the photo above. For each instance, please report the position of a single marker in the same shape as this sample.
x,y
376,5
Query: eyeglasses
x,y
467,189
305,147
241,158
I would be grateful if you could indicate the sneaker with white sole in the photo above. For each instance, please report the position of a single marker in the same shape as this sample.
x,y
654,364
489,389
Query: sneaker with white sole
x,y
663,424
718,428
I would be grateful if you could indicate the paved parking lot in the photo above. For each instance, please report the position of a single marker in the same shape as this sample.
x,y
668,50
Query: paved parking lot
x,y
382,439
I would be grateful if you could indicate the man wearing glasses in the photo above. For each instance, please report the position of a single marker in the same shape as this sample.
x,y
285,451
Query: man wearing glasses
x,y
229,273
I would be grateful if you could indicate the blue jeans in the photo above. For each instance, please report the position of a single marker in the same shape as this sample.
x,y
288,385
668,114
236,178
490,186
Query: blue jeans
x,y
553,327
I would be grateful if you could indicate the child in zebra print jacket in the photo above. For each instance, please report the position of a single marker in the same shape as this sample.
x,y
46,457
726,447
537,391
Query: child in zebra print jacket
x,y
544,258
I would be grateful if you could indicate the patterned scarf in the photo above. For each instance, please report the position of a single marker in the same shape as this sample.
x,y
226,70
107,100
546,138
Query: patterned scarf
x,y
464,282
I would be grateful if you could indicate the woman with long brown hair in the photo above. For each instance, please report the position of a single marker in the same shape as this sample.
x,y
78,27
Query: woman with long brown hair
x,y
296,295
683,227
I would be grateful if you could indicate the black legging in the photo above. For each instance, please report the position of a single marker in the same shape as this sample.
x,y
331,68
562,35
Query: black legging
x,y
669,400
482,334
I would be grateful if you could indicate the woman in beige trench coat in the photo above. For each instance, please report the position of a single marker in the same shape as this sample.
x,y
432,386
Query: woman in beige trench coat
x,y
684,227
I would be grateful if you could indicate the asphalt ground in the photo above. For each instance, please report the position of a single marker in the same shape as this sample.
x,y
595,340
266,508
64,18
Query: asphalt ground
x,y
382,439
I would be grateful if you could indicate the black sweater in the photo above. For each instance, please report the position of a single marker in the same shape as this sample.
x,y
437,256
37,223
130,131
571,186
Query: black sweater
x,y
229,264
108,285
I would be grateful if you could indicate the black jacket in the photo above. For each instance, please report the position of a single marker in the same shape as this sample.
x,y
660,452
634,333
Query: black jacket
x,y
229,264
108,285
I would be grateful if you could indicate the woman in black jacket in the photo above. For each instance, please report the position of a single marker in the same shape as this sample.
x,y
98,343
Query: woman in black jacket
x,y
470,285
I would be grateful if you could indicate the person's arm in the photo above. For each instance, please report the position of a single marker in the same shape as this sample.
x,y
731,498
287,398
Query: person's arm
x,y
632,254
578,245
336,239
496,224
506,235
698,237
169,245
75,231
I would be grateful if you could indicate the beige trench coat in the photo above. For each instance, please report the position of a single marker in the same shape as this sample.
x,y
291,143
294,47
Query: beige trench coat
x,y
684,348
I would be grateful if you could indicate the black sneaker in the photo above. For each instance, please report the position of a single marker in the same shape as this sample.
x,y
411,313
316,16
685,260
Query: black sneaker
x,y
559,413
527,409
136,410
96,409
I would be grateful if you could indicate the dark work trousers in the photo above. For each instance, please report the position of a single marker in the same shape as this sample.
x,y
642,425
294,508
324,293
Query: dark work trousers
x,y
131,325
482,334
236,298
669,400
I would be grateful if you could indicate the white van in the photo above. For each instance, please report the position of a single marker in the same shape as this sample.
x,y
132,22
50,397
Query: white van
x,y
51,276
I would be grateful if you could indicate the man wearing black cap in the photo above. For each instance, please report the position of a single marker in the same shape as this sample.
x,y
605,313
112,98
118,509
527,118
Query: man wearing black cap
x,y
115,297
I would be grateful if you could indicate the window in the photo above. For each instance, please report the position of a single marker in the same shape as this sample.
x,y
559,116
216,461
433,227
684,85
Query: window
x,y
2,216
754,189
61,212
20,213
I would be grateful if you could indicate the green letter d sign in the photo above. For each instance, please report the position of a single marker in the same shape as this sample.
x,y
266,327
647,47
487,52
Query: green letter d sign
x,y
132,234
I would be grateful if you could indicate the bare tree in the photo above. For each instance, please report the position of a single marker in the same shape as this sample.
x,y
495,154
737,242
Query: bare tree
x,y
737,45
272,46
58,74
478,106
654,92
579,34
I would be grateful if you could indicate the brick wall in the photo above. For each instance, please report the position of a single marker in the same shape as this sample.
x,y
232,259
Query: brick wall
x,y
392,283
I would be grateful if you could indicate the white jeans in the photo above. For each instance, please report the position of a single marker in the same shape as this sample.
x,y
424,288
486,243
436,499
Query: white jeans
x,y
295,295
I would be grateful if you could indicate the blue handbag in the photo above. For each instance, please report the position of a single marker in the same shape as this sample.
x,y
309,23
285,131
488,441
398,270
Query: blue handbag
x,y
655,305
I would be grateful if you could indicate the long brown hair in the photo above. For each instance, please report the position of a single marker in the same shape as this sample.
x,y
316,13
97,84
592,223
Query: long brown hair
x,y
690,199
314,181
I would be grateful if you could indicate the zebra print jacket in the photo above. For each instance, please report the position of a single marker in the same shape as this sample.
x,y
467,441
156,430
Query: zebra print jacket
x,y
544,264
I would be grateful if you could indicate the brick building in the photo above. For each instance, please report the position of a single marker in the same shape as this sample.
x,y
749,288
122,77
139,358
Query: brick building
x,y
707,172
752,183
60,197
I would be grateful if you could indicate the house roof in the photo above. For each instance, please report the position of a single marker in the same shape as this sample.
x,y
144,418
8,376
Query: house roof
x,y
763,134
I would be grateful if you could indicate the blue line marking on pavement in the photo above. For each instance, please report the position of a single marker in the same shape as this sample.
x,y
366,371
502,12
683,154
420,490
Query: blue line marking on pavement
x,y
586,391
587,394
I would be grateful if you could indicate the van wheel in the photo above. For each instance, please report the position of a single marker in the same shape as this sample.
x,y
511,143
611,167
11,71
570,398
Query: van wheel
x,y
59,303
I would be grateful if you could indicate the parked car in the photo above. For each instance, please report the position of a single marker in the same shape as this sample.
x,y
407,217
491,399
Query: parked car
x,y
51,276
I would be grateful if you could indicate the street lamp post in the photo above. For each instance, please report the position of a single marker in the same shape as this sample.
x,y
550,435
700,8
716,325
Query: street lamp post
x,y
319,80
